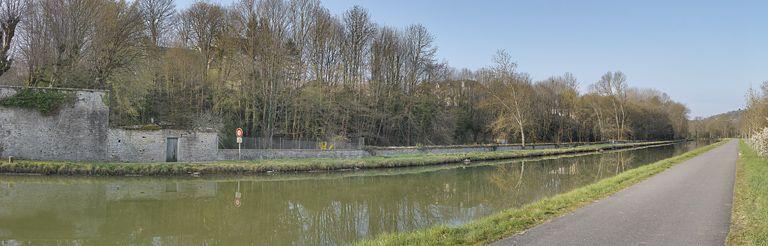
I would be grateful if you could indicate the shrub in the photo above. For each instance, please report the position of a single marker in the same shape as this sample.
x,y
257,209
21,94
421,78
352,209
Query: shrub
x,y
759,142
150,127
45,101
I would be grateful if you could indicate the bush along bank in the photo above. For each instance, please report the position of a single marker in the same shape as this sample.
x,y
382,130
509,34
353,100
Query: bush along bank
x,y
750,200
516,220
289,165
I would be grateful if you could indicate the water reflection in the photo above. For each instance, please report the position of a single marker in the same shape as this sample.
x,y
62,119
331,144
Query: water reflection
x,y
289,209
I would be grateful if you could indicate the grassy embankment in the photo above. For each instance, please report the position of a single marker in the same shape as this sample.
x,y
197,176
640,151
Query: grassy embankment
x,y
286,165
512,221
750,200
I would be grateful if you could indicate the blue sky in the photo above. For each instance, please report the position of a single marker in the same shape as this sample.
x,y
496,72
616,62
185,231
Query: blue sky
x,y
705,54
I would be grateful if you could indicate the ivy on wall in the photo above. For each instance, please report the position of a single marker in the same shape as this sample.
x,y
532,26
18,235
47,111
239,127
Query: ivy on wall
x,y
45,101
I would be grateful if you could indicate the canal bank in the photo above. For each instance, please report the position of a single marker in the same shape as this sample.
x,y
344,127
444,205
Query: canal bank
x,y
516,220
329,208
290,165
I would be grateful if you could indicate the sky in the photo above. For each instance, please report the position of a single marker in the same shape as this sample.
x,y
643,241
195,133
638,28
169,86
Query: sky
x,y
705,54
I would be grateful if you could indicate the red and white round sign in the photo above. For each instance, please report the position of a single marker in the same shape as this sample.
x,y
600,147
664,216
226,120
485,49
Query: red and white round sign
x,y
239,132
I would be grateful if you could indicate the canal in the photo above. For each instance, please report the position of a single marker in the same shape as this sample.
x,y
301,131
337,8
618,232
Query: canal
x,y
285,209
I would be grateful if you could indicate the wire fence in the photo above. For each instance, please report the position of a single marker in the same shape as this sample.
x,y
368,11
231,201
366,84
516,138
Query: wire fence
x,y
287,143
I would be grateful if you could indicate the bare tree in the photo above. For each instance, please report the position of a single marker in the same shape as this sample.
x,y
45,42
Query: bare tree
x,y
325,45
359,31
419,54
158,19
69,26
116,41
512,96
614,86
201,26
10,16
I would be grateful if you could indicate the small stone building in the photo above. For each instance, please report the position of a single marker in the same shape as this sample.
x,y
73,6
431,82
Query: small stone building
x,y
161,145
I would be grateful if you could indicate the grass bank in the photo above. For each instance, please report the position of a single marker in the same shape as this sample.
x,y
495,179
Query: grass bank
x,y
288,165
512,221
749,221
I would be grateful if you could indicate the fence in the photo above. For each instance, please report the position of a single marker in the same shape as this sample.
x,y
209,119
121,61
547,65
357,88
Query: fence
x,y
286,143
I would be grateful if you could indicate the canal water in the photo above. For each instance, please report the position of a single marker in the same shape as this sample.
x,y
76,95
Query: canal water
x,y
289,209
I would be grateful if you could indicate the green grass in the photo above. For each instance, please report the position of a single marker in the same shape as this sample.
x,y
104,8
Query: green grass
x,y
512,221
749,221
287,165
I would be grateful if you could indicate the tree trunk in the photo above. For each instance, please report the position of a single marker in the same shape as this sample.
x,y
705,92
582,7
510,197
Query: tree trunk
x,y
522,133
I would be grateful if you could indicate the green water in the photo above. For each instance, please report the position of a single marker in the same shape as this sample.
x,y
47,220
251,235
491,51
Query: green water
x,y
285,209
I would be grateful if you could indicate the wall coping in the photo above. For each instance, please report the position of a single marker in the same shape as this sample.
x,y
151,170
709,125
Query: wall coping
x,y
474,146
195,130
52,88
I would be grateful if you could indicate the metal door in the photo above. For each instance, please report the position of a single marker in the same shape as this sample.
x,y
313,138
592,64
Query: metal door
x,y
171,149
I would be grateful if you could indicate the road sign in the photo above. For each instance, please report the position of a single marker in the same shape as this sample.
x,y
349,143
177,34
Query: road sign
x,y
239,134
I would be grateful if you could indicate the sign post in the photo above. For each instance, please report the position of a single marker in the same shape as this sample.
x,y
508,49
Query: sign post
x,y
239,134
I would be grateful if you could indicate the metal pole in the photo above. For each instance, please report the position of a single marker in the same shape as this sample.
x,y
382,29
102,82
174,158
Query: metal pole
x,y
239,157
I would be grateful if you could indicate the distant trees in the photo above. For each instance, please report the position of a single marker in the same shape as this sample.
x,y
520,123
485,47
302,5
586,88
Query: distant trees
x,y
724,125
754,118
290,69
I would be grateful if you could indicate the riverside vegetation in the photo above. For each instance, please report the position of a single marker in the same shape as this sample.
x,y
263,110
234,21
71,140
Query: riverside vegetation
x,y
289,165
516,220
750,202
292,69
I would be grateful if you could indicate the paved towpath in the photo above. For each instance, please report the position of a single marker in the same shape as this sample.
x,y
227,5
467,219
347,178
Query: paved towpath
x,y
688,204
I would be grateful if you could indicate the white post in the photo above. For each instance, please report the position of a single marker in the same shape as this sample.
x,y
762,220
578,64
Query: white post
x,y
239,157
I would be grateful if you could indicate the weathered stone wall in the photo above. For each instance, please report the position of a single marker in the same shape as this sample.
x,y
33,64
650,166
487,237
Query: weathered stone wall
x,y
460,149
77,132
257,154
150,146
427,150
80,132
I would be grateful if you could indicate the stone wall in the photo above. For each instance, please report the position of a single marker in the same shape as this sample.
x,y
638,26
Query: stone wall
x,y
150,146
257,154
460,149
78,132
426,150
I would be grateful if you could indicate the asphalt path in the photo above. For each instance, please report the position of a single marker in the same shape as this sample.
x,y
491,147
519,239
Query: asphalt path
x,y
688,204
